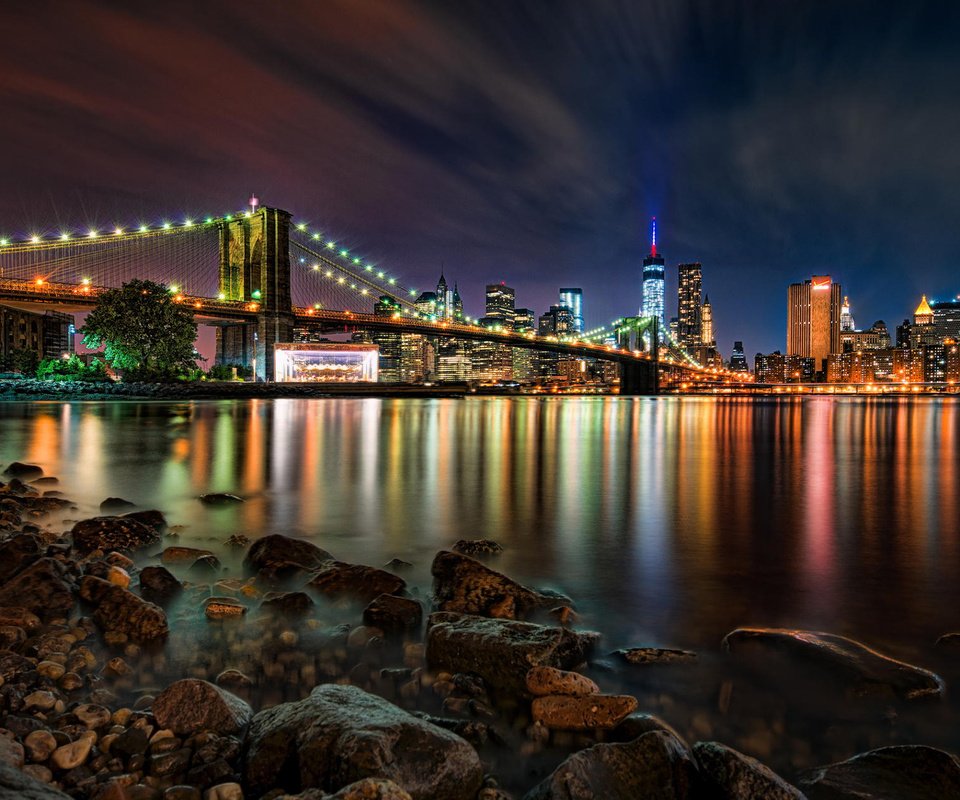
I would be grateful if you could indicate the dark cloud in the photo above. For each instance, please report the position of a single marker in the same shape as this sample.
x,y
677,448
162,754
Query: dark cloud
x,y
512,140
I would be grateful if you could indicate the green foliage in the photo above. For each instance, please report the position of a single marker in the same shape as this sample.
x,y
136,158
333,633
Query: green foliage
x,y
224,372
143,331
72,369
24,361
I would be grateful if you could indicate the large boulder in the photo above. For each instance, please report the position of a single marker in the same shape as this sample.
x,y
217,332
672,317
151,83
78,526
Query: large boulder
x,y
123,534
118,610
191,705
731,775
901,772
502,651
17,785
336,579
151,518
44,588
849,666
657,766
279,555
464,585
342,734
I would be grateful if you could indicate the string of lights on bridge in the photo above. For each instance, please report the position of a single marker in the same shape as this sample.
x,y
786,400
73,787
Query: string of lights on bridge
x,y
320,239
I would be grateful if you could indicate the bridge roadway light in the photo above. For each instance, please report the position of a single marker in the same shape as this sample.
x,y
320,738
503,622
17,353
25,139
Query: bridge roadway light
x,y
143,229
117,231
64,237
92,234
221,296
4,242
166,226
34,239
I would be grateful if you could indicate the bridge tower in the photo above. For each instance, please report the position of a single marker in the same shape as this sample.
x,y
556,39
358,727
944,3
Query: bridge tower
x,y
255,268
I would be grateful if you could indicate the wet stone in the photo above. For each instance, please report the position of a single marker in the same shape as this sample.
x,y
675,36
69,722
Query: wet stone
x,y
639,656
122,534
732,774
190,705
588,712
543,681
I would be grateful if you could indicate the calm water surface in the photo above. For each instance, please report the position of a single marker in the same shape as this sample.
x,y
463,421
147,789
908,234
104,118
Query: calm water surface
x,y
669,521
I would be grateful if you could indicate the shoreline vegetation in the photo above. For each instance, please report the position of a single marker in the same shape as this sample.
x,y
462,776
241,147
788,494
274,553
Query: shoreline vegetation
x,y
133,667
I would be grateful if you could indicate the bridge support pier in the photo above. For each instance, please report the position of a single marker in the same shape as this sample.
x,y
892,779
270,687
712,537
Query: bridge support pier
x,y
639,378
255,269
250,344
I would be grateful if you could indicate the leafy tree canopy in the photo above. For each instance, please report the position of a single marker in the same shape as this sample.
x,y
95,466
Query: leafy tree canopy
x,y
143,331
72,369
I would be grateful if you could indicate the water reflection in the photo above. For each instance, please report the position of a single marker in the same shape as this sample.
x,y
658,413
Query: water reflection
x,y
668,520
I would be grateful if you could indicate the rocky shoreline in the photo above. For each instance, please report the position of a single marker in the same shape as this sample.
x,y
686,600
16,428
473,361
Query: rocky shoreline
x,y
32,389
132,667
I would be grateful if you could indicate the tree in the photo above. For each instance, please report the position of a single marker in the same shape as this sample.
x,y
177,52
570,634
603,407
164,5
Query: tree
x,y
24,361
71,369
143,330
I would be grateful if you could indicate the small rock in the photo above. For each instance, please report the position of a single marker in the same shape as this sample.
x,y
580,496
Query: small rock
x,y
502,651
190,706
224,791
395,564
113,504
93,716
118,577
393,615
371,789
72,755
23,471
219,499
639,656
233,677
543,681
288,604
477,547
158,585
466,586
336,579
39,745
122,534
590,712
223,608
117,609
182,555
279,556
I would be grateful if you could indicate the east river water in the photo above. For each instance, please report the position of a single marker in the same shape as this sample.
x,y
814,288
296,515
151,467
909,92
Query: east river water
x,y
668,521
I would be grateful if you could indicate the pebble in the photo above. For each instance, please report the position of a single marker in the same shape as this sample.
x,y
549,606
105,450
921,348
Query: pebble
x,y
74,754
224,608
225,791
51,670
92,716
39,745
118,576
42,701
543,681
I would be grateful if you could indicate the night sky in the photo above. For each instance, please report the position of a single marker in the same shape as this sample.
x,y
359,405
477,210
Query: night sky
x,y
525,142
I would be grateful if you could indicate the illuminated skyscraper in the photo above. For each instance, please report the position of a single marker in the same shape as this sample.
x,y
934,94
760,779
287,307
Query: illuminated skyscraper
x,y
738,359
813,319
573,299
689,291
846,318
501,304
653,282
706,324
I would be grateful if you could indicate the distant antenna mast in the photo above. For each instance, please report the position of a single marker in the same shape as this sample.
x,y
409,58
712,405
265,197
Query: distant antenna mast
x,y
253,203
653,236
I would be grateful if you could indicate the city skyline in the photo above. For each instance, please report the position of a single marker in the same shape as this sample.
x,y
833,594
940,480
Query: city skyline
x,y
766,151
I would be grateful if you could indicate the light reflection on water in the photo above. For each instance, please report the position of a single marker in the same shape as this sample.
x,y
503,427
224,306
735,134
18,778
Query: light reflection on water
x,y
669,521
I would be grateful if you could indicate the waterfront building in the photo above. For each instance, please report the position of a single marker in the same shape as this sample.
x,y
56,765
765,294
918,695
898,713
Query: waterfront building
x,y
689,334
572,298
923,332
426,304
332,362
924,314
813,319
455,360
706,313
46,334
653,283
776,368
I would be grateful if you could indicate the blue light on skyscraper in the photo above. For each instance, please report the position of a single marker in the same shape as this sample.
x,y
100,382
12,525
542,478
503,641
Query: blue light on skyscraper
x,y
653,282
573,299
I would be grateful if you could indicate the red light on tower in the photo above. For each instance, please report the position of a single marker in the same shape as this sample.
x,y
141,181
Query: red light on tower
x,y
653,236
